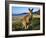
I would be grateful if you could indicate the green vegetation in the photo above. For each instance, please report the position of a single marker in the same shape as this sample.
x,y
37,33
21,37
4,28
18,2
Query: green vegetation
x,y
35,25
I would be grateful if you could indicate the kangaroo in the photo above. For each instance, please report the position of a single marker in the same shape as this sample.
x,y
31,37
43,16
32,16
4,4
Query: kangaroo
x,y
26,20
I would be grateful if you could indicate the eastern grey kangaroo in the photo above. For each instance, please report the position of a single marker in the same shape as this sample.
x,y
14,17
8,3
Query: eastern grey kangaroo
x,y
26,20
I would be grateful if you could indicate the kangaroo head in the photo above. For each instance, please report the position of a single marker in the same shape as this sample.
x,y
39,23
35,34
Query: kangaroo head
x,y
30,11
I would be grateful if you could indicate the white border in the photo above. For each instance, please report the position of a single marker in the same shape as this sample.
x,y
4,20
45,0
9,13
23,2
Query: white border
x,y
25,32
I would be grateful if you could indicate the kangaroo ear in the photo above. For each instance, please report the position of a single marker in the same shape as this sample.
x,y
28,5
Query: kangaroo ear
x,y
29,9
32,9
